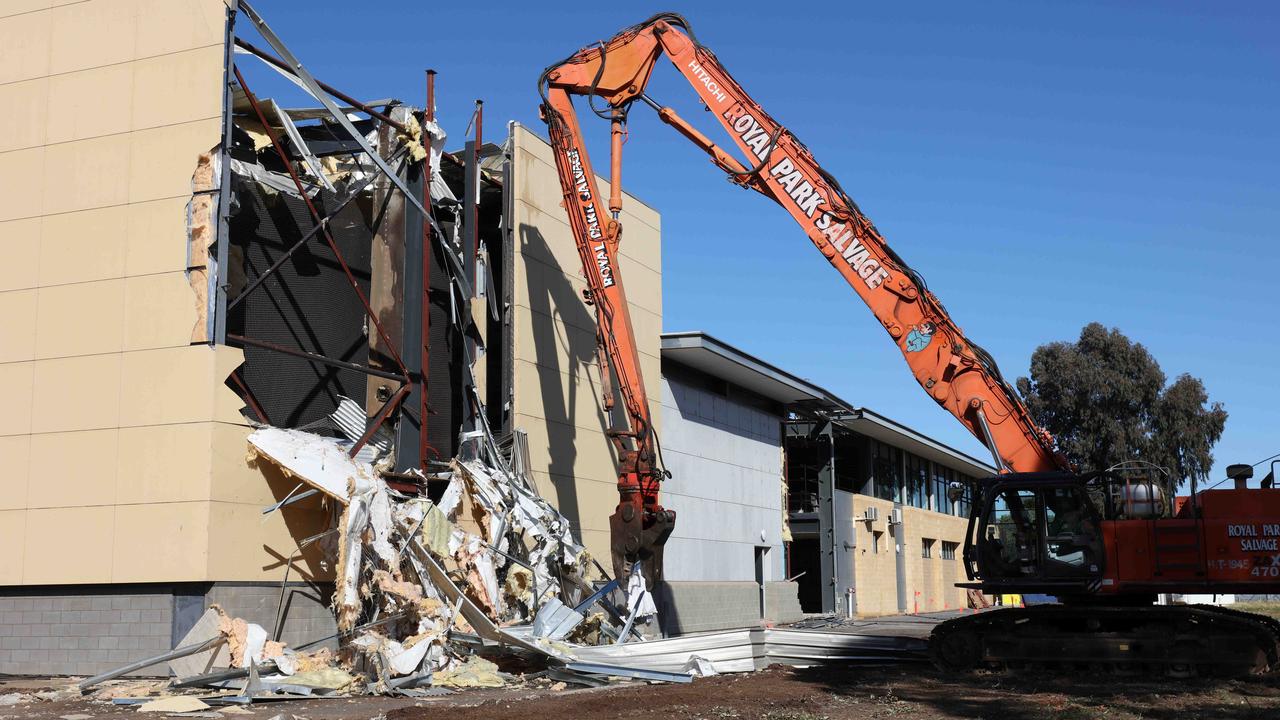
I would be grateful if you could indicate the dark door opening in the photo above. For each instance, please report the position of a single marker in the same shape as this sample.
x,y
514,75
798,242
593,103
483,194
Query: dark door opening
x,y
806,557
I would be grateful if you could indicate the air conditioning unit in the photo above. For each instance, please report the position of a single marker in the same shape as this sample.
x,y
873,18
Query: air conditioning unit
x,y
871,514
897,517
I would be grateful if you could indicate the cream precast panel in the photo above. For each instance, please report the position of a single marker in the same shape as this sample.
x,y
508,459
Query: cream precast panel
x,y
15,469
19,252
76,393
177,385
17,325
21,183
83,246
165,463
174,88
875,559
25,41
90,103
80,319
163,159
13,539
117,431
572,398
18,7
73,469
236,478
160,311
78,33
85,174
166,26
17,386
24,118
156,238
71,543
183,555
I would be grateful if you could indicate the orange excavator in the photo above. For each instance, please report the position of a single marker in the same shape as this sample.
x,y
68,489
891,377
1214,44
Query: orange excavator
x,y
1106,544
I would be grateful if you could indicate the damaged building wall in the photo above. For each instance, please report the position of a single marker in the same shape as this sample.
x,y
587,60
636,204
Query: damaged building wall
x,y
556,377
122,451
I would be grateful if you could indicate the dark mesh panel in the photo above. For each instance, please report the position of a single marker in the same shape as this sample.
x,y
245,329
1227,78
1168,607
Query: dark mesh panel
x,y
308,304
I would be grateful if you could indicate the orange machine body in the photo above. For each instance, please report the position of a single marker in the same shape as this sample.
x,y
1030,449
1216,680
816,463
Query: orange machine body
x,y
1216,543
1232,546
955,372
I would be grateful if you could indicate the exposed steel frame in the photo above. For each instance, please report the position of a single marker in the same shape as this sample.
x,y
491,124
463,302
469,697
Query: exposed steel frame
x,y
408,380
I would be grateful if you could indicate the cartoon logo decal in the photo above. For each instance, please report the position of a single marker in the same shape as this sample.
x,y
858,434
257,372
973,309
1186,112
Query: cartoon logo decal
x,y
919,337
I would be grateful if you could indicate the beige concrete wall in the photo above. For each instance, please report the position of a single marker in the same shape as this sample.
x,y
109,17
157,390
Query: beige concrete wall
x,y
121,452
930,581
557,382
874,567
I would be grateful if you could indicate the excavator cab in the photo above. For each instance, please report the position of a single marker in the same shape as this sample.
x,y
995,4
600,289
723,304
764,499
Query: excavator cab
x,y
1038,532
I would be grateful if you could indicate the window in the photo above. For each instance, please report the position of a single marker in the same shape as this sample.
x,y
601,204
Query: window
x,y
942,479
886,468
917,484
1012,540
962,505
949,550
926,547
849,456
875,541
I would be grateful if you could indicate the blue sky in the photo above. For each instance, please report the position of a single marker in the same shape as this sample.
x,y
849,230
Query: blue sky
x,y
1043,166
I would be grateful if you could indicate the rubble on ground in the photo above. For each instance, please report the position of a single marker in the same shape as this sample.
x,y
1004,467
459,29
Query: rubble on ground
x,y
427,592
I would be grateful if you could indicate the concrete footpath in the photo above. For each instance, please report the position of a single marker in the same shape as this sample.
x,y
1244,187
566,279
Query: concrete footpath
x,y
911,626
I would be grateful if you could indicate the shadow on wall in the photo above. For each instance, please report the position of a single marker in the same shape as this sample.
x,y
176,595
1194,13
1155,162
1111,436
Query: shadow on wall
x,y
558,313
303,519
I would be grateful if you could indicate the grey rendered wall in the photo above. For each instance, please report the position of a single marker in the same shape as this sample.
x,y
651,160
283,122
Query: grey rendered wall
x,y
698,606
726,465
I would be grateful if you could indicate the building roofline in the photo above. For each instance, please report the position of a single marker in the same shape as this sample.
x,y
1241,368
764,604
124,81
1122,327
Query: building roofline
x,y
713,356
699,340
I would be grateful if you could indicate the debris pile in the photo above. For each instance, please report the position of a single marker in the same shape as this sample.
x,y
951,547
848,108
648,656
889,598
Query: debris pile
x,y
422,587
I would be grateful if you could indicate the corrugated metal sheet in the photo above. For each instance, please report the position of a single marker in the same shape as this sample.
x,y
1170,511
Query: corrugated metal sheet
x,y
746,650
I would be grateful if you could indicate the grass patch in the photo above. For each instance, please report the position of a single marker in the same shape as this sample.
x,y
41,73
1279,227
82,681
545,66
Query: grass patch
x,y
1261,608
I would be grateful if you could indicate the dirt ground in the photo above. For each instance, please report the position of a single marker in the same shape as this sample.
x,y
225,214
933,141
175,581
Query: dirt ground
x,y
919,692
778,693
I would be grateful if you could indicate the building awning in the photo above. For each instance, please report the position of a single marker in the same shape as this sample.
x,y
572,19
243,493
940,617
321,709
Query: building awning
x,y
698,350
718,359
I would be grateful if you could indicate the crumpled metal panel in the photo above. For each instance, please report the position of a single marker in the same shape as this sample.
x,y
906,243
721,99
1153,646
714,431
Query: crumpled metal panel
x,y
746,650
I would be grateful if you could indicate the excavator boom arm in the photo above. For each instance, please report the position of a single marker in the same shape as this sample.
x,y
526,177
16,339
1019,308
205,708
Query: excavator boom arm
x,y
955,372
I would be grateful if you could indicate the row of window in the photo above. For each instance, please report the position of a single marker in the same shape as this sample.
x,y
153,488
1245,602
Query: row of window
x,y
948,548
905,477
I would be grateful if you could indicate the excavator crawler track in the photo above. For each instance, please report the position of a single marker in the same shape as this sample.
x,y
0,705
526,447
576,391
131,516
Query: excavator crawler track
x,y
1175,640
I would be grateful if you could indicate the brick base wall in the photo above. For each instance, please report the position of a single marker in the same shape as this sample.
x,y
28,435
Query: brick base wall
x,y
72,631
86,630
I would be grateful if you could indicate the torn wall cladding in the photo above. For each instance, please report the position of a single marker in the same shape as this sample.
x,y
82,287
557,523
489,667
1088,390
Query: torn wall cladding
x,y
308,339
